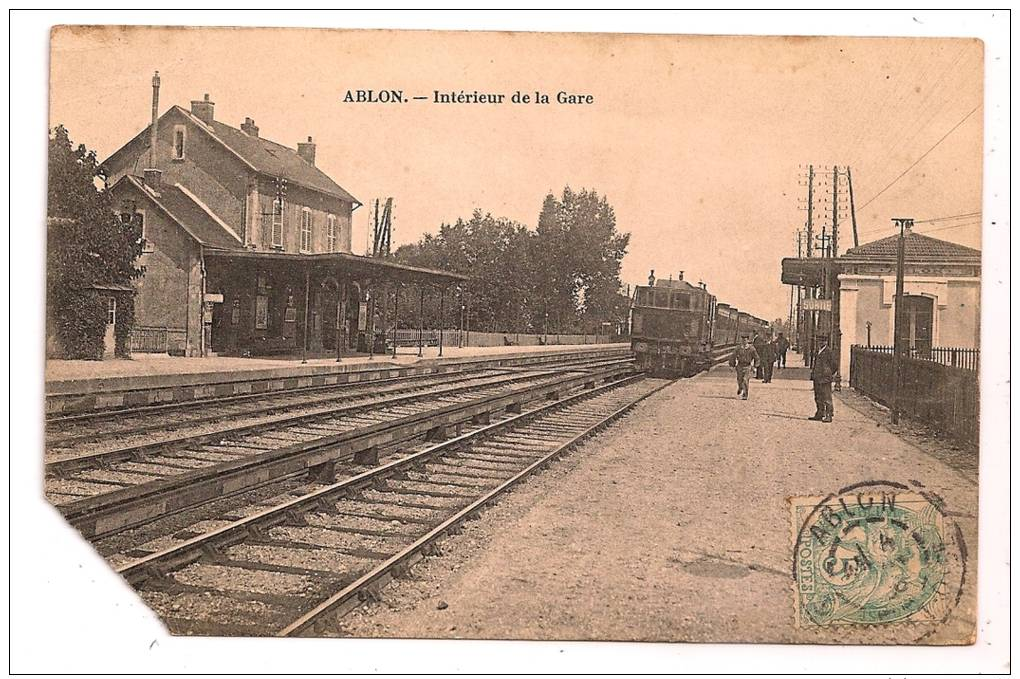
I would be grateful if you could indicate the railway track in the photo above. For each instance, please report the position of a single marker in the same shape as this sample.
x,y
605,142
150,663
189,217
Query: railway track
x,y
295,563
129,486
71,430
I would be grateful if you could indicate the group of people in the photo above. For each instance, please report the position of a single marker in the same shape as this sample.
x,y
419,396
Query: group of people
x,y
765,355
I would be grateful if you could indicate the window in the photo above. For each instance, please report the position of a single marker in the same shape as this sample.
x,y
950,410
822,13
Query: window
x,y
261,312
138,217
180,133
111,310
330,233
306,230
277,223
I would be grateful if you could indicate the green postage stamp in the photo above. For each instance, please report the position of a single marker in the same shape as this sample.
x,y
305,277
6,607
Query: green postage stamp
x,y
874,554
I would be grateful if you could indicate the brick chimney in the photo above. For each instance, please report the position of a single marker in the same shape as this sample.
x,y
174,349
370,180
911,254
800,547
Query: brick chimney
x,y
681,277
203,110
250,128
153,126
306,149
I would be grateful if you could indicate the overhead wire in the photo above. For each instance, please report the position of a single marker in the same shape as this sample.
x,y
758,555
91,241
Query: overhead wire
x,y
920,158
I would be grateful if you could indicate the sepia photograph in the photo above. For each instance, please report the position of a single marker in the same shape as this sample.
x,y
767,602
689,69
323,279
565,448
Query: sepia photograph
x,y
533,335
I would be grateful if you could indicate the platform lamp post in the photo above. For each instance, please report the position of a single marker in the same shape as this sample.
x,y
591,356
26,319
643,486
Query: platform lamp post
x,y
396,316
304,339
904,224
339,320
868,326
442,300
371,323
460,306
421,318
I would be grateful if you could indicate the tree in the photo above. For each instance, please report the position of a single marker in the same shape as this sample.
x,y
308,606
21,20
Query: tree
x,y
578,254
87,245
561,277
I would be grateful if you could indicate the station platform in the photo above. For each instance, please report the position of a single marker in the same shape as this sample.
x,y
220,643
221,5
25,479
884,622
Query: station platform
x,y
674,525
79,386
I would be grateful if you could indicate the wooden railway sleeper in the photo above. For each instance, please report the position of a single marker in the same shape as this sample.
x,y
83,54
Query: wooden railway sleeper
x,y
369,456
324,473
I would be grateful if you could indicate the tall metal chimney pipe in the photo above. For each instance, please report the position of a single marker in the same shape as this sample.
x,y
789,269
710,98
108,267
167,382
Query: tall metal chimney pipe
x,y
155,116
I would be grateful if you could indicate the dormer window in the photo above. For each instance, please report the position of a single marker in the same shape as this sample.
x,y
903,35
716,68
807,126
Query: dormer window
x,y
180,136
331,233
306,230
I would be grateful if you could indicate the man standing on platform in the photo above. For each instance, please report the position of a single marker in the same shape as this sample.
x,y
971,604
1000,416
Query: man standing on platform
x,y
782,345
768,360
821,376
758,343
742,359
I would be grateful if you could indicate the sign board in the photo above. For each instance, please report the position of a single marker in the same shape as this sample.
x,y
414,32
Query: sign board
x,y
214,297
816,305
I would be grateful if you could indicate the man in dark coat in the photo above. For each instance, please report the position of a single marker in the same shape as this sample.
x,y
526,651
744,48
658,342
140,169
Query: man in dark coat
x,y
742,359
822,372
758,342
782,345
768,360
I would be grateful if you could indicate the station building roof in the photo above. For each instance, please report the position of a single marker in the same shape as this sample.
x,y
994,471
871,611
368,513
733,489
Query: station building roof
x,y
917,248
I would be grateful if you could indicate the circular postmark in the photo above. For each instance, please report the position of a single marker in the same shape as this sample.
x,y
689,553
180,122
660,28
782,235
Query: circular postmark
x,y
876,553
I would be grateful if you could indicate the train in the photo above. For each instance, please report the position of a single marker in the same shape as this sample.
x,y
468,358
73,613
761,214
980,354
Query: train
x,y
678,329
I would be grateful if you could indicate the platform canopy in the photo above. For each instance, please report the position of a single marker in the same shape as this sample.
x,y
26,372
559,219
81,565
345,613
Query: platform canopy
x,y
357,266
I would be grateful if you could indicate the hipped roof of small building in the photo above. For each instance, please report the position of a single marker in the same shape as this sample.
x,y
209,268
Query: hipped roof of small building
x,y
917,248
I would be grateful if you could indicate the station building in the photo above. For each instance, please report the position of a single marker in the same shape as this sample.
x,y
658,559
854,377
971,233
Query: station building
x,y
856,294
246,243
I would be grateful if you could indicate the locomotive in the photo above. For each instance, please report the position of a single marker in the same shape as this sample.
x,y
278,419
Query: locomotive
x,y
678,329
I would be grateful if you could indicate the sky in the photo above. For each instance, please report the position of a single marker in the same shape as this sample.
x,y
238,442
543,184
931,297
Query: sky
x,y
700,143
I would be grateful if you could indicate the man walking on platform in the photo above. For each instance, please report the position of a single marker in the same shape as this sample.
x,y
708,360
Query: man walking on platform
x,y
821,376
768,360
782,345
742,359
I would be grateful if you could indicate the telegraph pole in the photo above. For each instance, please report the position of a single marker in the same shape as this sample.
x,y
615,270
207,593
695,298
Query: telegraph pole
x,y
809,348
831,285
800,293
834,252
853,212
904,224
810,205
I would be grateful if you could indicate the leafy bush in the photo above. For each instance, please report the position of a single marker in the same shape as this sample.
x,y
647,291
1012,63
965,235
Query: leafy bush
x,y
87,245
80,317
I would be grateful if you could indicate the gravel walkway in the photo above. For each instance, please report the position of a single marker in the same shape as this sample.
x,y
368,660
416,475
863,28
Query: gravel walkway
x,y
673,525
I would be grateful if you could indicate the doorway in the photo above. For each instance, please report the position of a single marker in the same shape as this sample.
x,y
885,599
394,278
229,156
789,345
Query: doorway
x,y
110,334
918,322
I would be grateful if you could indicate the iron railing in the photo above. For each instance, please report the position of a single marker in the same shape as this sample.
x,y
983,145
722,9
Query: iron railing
x,y
942,397
954,357
150,340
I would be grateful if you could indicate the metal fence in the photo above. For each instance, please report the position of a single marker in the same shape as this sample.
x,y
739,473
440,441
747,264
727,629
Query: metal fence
x,y
150,340
158,340
943,397
955,357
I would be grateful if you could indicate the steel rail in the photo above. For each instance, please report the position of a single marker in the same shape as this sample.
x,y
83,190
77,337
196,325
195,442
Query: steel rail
x,y
119,510
372,581
172,558
453,372
156,565
71,463
475,365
